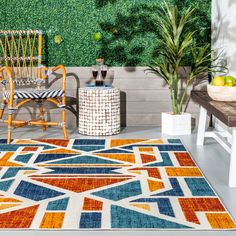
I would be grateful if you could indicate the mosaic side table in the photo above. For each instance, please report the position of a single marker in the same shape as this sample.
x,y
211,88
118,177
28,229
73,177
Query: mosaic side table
x,y
99,111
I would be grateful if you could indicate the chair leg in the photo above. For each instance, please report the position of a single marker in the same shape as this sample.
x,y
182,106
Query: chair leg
x,y
9,128
41,113
2,107
63,116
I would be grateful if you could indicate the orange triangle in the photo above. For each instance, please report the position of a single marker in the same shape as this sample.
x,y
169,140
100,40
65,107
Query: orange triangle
x,y
4,160
25,141
135,172
126,157
60,151
155,185
9,200
27,172
79,185
92,204
156,141
142,206
5,206
19,218
122,142
57,142
147,158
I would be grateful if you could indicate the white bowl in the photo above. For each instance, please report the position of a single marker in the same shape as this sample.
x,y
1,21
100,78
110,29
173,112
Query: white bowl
x,y
222,93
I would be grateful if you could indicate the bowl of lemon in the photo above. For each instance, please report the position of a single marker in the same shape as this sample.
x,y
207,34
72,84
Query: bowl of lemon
x,y
222,88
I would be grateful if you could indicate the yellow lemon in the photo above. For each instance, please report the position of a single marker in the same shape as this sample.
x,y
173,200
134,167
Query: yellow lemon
x,y
218,81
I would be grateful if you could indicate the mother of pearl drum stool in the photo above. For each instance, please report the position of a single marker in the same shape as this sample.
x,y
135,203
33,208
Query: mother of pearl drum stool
x,y
99,111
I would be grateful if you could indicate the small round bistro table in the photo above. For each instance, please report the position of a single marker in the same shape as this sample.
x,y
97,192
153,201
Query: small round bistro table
x,y
99,111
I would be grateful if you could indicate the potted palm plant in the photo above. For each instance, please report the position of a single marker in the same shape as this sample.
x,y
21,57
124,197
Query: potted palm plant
x,y
176,43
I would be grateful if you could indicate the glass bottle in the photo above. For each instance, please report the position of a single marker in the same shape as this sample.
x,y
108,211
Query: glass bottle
x,y
99,81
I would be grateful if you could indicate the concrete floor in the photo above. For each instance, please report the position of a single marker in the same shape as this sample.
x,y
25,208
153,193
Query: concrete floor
x,y
211,158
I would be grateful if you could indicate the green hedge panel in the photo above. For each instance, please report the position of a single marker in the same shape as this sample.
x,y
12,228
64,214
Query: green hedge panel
x,y
127,28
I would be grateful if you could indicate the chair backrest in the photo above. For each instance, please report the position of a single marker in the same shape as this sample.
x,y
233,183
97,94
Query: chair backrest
x,y
21,51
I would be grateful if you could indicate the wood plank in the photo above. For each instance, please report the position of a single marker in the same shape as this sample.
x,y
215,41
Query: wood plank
x,y
224,111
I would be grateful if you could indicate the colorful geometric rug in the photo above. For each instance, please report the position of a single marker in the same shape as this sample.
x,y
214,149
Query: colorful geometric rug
x,y
105,184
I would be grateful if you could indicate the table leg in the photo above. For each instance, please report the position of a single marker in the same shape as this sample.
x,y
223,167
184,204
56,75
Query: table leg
x,y
232,170
201,126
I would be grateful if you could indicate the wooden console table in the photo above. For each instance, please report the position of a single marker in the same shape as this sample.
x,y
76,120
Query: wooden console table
x,y
225,112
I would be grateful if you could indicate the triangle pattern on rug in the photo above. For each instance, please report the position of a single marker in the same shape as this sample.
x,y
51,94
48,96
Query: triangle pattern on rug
x,y
58,205
57,142
60,151
84,160
13,171
121,157
24,158
35,192
147,158
8,205
50,157
155,141
5,185
122,142
81,184
91,204
126,218
155,185
175,191
25,141
142,206
4,160
9,219
120,192
114,151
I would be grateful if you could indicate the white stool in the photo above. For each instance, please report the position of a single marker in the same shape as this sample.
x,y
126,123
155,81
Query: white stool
x,y
99,111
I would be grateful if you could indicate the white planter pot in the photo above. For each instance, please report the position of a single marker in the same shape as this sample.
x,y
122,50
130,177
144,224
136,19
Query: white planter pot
x,y
176,124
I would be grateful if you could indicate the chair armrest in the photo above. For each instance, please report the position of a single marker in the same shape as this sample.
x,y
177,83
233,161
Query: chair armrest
x,y
9,77
8,72
54,69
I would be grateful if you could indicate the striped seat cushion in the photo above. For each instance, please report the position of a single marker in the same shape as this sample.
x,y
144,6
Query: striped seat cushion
x,y
35,94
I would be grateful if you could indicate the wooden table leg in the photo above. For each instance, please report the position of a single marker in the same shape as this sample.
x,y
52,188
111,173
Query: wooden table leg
x,y
201,126
232,170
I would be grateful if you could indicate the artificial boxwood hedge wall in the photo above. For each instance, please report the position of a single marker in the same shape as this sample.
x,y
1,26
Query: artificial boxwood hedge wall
x,y
126,28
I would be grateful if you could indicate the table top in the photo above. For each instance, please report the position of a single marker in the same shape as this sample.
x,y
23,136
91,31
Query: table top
x,y
98,88
224,111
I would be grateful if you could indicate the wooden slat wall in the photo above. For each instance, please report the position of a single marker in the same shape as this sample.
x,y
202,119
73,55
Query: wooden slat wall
x,y
143,96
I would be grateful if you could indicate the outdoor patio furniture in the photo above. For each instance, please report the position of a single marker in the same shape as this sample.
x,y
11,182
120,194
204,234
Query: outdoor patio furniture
x,y
23,76
225,112
99,111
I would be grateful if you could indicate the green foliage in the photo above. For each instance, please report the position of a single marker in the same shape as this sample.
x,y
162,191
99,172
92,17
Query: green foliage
x,y
178,41
127,27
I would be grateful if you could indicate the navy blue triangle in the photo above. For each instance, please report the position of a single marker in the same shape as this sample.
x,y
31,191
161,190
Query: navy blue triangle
x,y
35,192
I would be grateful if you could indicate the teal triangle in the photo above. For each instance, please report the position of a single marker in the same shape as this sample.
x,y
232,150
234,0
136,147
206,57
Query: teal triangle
x,y
12,171
24,158
5,185
85,160
120,192
58,205
126,218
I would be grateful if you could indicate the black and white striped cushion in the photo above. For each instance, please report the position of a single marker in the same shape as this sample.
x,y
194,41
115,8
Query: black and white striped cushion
x,y
35,94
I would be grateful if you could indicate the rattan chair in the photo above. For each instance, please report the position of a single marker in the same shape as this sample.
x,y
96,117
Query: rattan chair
x,y
23,76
